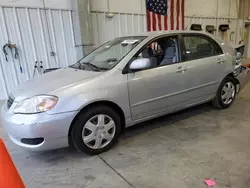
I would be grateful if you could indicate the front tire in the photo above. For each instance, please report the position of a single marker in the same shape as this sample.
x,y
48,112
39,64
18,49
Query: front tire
x,y
96,129
226,94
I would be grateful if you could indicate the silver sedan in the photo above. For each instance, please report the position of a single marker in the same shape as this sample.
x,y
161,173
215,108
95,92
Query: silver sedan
x,y
123,82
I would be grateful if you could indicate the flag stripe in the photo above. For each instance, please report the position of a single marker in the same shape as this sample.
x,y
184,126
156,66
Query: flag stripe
x,y
154,21
148,21
178,14
169,23
159,22
165,23
182,14
172,14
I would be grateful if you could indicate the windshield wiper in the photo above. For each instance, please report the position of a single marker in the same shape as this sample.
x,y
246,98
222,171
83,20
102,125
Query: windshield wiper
x,y
79,64
90,65
111,59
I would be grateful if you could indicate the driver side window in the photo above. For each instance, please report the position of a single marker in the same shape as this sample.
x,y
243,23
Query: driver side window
x,y
161,52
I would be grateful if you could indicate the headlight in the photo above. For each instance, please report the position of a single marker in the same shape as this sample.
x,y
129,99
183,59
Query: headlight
x,y
35,104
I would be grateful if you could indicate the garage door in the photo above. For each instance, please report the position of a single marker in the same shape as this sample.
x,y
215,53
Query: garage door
x,y
44,35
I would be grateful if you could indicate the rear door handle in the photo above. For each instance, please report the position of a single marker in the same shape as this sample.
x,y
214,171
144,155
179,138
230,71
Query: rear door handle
x,y
181,70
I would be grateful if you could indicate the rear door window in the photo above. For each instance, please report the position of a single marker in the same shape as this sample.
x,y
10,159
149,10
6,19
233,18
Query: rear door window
x,y
200,46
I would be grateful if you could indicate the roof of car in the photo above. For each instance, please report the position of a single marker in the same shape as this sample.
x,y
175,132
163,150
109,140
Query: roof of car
x,y
158,33
154,34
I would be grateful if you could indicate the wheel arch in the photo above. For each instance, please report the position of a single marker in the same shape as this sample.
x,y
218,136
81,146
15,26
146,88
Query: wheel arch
x,y
237,82
113,105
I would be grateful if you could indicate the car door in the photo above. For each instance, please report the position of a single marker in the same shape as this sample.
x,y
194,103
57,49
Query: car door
x,y
156,90
204,61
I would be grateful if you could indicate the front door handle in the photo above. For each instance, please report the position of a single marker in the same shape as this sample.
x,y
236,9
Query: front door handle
x,y
220,61
181,70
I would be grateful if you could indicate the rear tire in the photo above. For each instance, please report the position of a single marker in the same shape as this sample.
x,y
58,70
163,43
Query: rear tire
x,y
96,129
226,94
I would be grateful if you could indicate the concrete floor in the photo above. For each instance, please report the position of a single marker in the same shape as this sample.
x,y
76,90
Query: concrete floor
x,y
175,151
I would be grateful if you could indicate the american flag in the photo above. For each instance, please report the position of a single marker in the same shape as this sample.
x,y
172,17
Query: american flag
x,y
165,15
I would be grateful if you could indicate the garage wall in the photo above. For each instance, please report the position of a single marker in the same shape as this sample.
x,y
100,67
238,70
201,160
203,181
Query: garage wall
x,y
207,8
244,9
122,24
58,4
130,17
43,30
121,6
45,35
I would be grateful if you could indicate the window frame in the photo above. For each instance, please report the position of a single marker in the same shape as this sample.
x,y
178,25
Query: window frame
x,y
208,38
127,70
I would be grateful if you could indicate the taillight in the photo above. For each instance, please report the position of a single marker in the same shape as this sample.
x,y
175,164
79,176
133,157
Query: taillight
x,y
238,58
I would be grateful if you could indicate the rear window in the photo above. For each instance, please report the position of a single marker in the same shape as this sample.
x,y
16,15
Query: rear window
x,y
199,46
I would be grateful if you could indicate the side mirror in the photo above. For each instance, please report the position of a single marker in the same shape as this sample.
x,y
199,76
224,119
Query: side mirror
x,y
140,64
238,55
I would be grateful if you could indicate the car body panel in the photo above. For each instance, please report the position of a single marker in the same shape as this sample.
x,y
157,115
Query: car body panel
x,y
53,128
110,86
47,83
198,79
155,90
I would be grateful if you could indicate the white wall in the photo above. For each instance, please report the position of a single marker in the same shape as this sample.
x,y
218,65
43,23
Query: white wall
x,y
130,18
208,8
53,4
122,6
205,8
36,33
58,4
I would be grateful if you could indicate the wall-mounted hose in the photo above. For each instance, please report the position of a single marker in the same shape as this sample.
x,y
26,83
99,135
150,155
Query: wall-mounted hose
x,y
16,54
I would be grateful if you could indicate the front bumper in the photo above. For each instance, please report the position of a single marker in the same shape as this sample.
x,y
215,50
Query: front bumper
x,y
243,76
52,128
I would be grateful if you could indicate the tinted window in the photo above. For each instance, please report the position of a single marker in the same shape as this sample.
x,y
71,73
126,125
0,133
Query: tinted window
x,y
196,47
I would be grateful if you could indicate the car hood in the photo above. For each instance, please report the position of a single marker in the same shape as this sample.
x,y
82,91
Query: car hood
x,y
49,82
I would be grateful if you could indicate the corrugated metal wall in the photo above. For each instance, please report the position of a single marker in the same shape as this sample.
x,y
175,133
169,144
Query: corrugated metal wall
x,y
244,11
235,26
125,24
45,35
120,25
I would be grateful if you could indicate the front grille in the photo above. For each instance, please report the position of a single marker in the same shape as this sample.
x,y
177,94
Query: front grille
x,y
10,102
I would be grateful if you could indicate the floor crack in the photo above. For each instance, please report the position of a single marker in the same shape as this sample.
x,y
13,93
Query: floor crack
x,y
131,185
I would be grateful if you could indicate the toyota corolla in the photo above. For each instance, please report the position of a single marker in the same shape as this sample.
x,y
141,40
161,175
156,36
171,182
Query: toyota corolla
x,y
123,82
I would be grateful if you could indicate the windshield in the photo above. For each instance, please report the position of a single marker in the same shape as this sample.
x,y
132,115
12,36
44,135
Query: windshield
x,y
108,55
